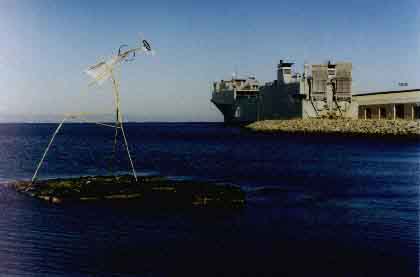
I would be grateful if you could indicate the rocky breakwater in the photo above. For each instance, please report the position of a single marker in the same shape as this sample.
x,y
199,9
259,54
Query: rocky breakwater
x,y
404,128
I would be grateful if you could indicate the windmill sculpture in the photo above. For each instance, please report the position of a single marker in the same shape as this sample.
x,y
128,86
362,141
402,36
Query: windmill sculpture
x,y
101,72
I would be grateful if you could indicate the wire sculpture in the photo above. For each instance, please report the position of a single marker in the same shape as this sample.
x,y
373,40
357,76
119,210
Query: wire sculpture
x,y
101,72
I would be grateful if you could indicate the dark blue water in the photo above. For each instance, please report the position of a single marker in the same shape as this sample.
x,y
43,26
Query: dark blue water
x,y
317,205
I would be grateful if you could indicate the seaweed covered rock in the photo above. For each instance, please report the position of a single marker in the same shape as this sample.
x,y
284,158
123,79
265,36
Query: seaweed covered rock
x,y
156,191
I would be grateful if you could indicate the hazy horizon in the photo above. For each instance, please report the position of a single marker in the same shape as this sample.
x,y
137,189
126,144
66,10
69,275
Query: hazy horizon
x,y
132,118
47,45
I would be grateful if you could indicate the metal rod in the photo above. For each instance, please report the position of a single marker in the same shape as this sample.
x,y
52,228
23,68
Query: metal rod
x,y
98,123
114,149
46,150
80,116
119,120
128,152
116,100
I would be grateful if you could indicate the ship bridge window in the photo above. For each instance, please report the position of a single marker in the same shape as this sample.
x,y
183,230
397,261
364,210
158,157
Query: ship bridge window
x,y
287,71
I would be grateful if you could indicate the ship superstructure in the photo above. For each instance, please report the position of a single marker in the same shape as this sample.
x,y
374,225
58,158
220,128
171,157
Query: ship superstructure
x,y
237,99
322,90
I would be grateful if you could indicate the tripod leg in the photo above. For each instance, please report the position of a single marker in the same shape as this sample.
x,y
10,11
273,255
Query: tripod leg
x,y
128,151
119,120
114,149
46,150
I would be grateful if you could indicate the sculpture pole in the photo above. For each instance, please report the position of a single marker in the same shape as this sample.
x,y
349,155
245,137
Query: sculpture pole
x,y
119,122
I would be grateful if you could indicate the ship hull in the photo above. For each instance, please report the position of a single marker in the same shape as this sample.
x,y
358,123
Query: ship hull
x,y
240,112
227,111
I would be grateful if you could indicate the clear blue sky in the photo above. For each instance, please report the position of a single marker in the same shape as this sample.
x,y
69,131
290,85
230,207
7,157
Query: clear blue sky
x,y
45,46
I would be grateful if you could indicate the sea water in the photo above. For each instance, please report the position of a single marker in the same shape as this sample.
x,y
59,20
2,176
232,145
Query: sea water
x,y
316,205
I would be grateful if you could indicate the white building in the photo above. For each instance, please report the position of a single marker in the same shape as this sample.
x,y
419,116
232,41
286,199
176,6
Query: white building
x,y
391,105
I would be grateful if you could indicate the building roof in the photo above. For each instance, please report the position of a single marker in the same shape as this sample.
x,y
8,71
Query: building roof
x,y
389,97
386,92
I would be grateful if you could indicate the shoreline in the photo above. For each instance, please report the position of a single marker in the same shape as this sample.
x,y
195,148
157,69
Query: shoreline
x,y
347,127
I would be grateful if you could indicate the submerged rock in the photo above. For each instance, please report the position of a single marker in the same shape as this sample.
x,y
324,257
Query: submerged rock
x,y
156,191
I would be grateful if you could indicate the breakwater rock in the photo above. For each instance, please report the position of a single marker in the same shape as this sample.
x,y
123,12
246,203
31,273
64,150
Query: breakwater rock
x,y
339,126
152,191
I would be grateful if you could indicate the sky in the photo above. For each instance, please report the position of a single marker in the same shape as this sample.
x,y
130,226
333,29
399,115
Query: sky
x,y
46,45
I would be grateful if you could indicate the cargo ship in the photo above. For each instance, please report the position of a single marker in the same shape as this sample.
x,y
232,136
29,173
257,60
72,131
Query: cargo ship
x,y
322,90
237,99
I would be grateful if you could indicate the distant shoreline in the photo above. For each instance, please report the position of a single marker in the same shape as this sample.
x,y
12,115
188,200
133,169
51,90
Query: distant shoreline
x,y
350,127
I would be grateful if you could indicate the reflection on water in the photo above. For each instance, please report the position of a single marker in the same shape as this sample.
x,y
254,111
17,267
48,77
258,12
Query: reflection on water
x,y
316,205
